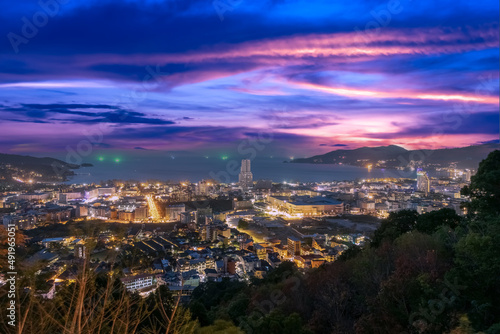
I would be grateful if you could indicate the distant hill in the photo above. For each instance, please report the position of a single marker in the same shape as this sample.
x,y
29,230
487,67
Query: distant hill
x,y
394,156
28,167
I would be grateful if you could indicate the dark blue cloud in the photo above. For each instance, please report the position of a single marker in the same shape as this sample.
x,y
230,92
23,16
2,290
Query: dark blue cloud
x,y
115,41
69,106
494,141
34,112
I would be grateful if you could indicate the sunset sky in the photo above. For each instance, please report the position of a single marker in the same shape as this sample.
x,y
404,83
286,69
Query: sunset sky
x,y
201,76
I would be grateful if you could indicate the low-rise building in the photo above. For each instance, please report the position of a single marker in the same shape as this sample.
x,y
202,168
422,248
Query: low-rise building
x,y
306,205
138,282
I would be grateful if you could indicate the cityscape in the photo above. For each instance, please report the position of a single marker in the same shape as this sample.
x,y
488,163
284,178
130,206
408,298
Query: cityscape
x,y
235,167
184,235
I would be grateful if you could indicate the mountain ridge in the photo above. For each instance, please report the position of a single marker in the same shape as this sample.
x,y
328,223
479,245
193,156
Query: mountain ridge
x,y
393,156
38,169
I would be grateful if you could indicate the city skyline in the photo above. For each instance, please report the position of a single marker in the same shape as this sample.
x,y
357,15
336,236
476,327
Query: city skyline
x,y
199,77
249,167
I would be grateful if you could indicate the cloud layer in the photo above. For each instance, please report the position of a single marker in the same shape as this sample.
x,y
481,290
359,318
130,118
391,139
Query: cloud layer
x,y
171,75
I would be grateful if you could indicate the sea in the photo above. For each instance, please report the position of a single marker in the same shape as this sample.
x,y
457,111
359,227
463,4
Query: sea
x,y
226,170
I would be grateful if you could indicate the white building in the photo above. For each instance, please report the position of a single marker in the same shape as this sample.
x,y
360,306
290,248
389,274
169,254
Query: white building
x,y
65,197
35,196
94,193
138,282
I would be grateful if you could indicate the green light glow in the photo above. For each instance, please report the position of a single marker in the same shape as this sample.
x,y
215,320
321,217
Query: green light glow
x,y
101,158
224,157
117,160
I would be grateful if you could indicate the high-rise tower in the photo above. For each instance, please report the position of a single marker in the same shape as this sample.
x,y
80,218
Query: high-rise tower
x,y
246,177
423,182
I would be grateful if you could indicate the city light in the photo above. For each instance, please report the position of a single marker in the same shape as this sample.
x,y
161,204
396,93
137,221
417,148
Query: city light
x,y
114,220
152,207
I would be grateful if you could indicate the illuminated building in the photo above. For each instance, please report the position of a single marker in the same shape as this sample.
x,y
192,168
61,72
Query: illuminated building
x,y
141,213
242,205
138,282
187,217
34,196
260,251
423,182
203,188
246,176
294,245
23,221
230,266
467,175
82,211
201,215
173,212
281,250
126,215
209,232
305,205
94,193
103,212
65,197
316,245
80,251
223,231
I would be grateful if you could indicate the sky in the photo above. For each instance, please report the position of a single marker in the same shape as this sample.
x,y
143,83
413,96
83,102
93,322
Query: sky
x,y
286,77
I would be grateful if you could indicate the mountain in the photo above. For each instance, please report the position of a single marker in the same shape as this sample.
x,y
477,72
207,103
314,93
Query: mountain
x,y
395,156
25,167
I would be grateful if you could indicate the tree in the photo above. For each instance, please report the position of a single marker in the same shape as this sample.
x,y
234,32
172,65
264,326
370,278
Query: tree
x,y
484,189
350,253
243,224
477,252
477,268
396,224
431,221
220,327
199,312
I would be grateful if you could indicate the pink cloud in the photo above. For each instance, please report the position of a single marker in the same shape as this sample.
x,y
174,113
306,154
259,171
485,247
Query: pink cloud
x,y
371,43
377,94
